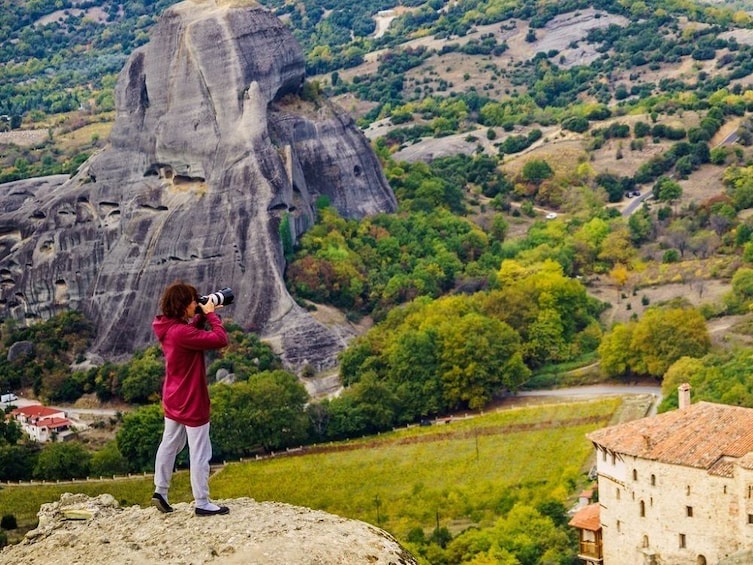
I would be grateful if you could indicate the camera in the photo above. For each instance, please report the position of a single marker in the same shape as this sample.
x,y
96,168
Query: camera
x,y
222,297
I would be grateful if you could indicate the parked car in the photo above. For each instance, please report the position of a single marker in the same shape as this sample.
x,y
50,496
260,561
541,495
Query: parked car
x,y
10,397
551,215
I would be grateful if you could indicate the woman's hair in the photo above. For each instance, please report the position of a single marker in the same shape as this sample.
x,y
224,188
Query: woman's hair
x,y
176,298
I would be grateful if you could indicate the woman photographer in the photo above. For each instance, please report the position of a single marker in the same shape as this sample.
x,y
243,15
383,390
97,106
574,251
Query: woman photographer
x,y
185,393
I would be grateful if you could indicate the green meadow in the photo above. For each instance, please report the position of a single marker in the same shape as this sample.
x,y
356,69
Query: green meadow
x,y
465,472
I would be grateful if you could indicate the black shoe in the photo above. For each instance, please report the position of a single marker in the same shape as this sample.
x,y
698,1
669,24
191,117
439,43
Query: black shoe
x,y
205,512
160,503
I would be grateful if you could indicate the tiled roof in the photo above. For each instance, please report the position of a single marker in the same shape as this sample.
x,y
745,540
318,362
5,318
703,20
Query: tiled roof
x,y
36,411
587,518
52,423
696,436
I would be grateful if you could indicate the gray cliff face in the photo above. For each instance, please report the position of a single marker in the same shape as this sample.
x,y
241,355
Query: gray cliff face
x,y
211,152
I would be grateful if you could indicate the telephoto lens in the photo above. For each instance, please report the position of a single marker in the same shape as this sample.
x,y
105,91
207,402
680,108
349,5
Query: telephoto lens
x,y
222,297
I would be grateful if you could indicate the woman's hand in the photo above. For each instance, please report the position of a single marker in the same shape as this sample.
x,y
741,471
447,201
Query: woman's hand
x,y
210,307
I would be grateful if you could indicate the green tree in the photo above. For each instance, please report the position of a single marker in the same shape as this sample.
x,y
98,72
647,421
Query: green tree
x,y
742,285
108,461
8,522
265,412
536,171
140,436
377,405
662,336
62,461
479,356
144,375
523,535
615,354
10,431
546,341
641,226
681,371
667,190
413,369
17,462
278,418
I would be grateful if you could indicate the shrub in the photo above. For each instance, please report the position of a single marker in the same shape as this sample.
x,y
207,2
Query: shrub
x,y
8,522
671,256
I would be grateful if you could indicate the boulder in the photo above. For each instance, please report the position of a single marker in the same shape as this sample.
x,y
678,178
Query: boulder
x,y
20,349
215,159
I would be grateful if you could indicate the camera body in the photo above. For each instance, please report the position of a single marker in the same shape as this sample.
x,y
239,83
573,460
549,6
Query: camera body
x,y
222,297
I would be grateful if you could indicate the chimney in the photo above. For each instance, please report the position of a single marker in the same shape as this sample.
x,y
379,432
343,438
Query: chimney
x,y
683,395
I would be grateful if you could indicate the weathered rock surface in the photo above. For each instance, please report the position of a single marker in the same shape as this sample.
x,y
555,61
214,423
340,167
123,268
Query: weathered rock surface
x,y
213,156
80,529
19,350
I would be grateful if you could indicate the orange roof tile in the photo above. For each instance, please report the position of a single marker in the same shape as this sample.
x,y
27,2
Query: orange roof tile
x,y
696,436
587,518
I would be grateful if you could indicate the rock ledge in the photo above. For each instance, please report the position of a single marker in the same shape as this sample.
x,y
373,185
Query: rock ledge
x,y
78,529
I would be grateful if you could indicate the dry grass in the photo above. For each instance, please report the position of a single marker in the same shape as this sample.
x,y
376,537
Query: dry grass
x,y
83,136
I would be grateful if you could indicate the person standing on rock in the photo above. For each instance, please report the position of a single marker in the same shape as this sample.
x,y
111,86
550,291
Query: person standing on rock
x,y
185,393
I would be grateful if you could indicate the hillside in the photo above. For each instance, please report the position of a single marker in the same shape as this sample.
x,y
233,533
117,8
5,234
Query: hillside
x,y
574,193
532,127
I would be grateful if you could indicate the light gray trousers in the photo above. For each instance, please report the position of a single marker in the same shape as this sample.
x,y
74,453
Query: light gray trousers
x,y
174,439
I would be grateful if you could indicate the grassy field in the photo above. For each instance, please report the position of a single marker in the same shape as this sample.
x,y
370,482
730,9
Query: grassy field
x,y
462,473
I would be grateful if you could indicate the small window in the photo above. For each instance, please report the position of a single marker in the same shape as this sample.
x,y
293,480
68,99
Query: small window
x,y
687,490
635,474
689,511
642,509
619,526
604,455
725,489
617,494
682,541
653,480
750,518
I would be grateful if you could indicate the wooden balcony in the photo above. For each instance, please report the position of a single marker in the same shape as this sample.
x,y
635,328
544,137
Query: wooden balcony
x,y
590,552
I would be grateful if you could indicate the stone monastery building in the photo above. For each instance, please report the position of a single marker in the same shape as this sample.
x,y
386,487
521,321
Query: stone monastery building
x,y
676,488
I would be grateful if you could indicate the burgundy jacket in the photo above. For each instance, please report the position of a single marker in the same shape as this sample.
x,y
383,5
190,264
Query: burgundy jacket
x,y
185,394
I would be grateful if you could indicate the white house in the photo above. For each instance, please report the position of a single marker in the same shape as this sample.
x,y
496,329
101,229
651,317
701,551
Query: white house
x,y
42,423
676,488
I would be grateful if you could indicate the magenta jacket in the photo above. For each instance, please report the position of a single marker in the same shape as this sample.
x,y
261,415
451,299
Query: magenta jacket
x,y
185,394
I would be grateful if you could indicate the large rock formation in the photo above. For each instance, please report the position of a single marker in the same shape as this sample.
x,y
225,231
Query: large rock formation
x,y
214,159
79,529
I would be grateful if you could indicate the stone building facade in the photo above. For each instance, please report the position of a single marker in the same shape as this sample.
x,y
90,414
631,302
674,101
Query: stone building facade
x,y
676,488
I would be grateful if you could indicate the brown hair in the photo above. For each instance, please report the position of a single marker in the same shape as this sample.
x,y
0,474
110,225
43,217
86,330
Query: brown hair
x,y
176,298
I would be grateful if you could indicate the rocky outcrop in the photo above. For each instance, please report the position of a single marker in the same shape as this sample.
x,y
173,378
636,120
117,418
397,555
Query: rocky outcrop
x,y
19,350
80,529
214,159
